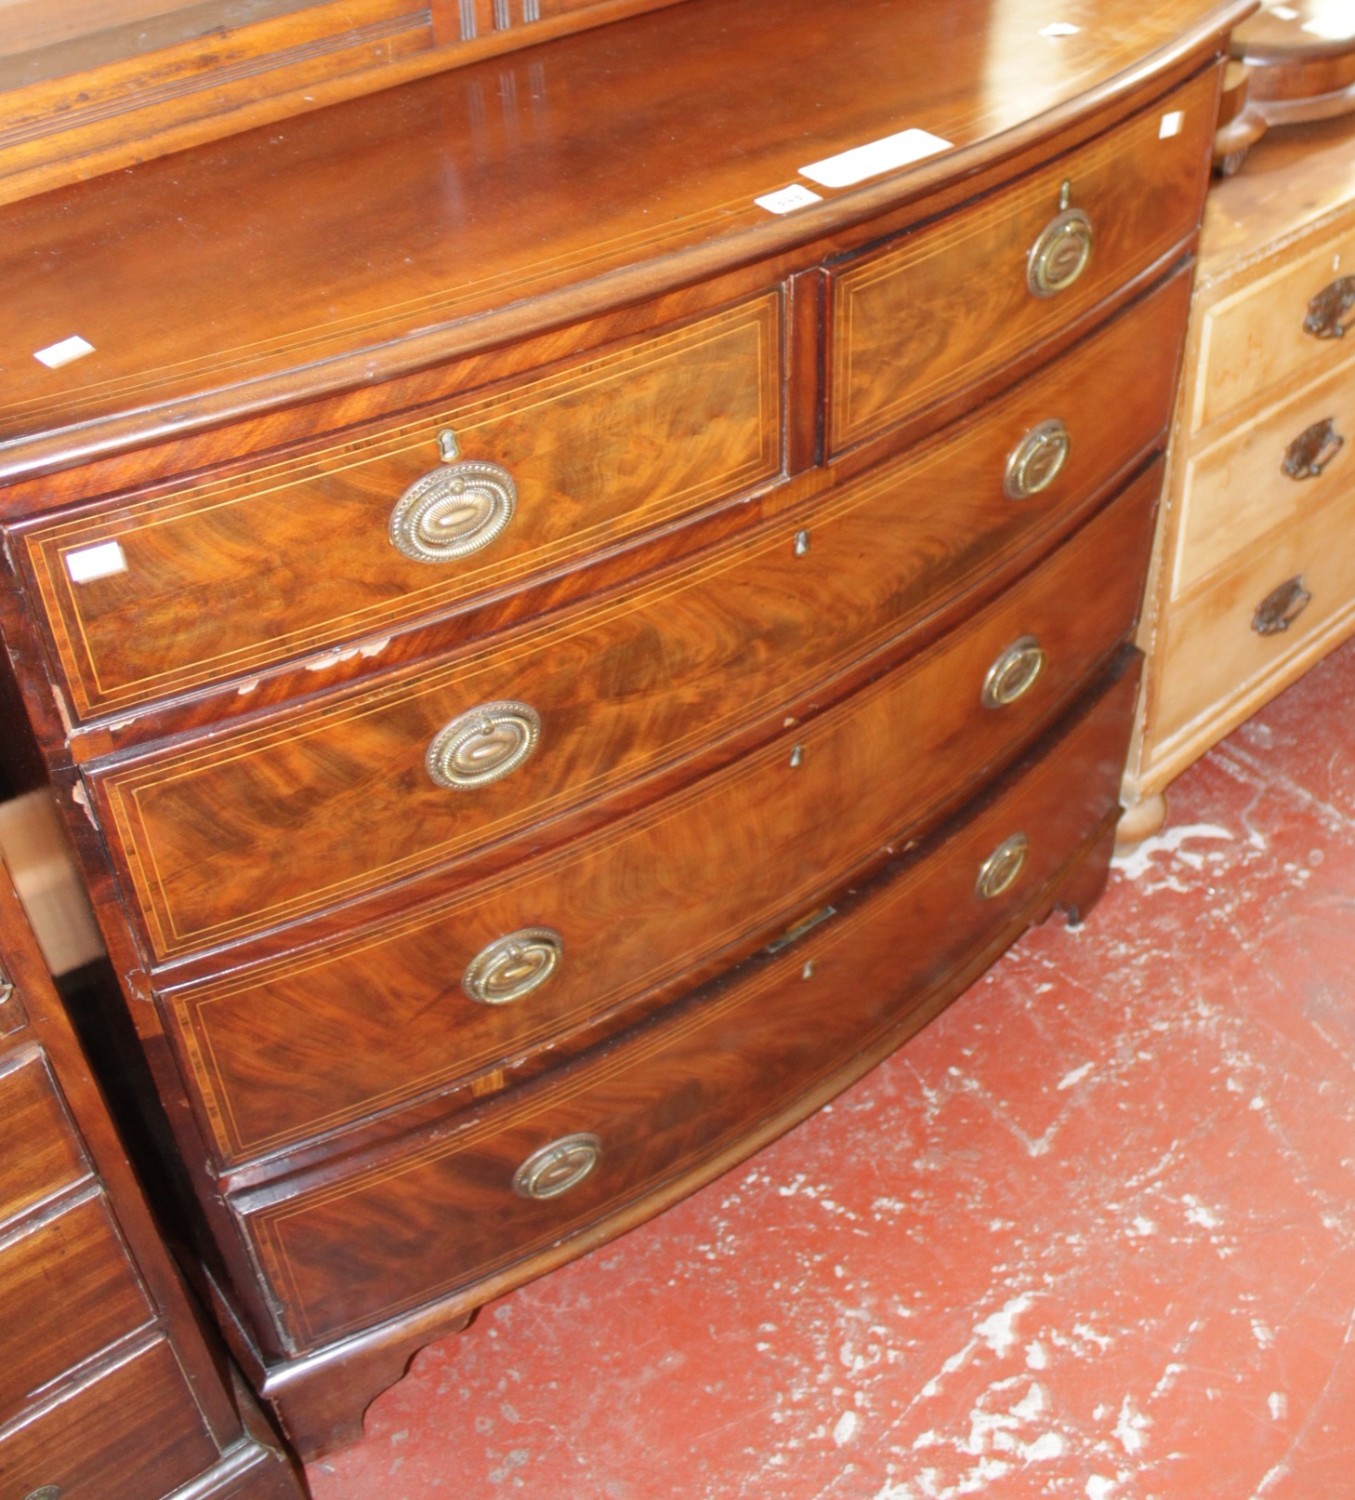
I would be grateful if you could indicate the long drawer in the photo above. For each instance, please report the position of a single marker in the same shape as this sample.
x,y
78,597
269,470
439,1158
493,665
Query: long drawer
x,y
465,1203
249,829
948,304
462,983
232,571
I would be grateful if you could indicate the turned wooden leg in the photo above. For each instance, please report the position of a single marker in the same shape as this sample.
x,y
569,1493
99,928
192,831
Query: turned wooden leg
x,y
1141,820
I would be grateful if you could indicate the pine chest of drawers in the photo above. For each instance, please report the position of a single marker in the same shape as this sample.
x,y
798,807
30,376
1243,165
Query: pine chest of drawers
x,y
574,604
1254,577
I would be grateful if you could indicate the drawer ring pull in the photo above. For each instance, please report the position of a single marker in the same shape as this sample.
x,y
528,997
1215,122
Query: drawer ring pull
x,y
1312,450
557,1167
1061,253
483,745
513,966
1014,673
1281,607
1037,460
1002,867
453,511
1329,307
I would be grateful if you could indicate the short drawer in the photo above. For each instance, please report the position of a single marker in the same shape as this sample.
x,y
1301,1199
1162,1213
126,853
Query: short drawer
x,y
945,306
68,1284
1242,636
556,1163
333,801
224,575
1268,473
461,983
42,1154
132,1430
1279,330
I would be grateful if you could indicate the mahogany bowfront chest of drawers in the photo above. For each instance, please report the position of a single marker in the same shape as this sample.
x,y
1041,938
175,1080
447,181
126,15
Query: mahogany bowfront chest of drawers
x,y
573,604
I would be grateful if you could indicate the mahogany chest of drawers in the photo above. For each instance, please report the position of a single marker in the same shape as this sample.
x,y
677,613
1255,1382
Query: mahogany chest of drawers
x,y
575,603
1254,575
109,1389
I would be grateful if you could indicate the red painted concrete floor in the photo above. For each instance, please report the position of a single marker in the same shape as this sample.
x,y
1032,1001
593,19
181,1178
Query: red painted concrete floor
x,y
1091,1234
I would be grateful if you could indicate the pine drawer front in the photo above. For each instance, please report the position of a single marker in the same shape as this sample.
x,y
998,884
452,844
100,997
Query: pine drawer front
x,y
133,1430
67,1281
333,801
945,306
318,1039
156,595
42,1154
1253,626
445,1214
1266,474
1254,340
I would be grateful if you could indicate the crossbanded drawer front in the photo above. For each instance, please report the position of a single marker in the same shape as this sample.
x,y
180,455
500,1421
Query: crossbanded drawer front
x,y
1241,635
1286,326
333,801
132,1429
528,1175
1268,473
43,1155
231,573
317,1039
916,322
68,1283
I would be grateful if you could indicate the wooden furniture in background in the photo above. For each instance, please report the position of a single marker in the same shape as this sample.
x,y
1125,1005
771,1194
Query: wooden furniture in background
x,y
108,1387
573,604
87,86
1254,575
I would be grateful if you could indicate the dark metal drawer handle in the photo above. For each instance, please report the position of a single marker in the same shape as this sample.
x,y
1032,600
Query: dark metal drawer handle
x,y
1002,867
453,511
1037,460
1062,252
1014,673
1312,450
483,745
1326,310
1281,607
513,966
558,1167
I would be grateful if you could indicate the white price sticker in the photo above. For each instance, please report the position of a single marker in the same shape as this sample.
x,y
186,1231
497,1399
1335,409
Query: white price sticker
x,y
102,560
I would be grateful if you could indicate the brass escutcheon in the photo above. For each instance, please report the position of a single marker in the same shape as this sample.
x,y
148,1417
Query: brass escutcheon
x,y
1014,673
558,1167
1062,252
453,512
1001,868
513,966
1037,460
483,745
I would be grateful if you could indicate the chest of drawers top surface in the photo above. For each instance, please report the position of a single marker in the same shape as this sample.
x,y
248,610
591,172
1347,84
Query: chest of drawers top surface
x,y
509,196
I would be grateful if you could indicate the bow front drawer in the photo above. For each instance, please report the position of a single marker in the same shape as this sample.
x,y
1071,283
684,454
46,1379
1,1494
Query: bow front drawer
x,y
917,321
364,532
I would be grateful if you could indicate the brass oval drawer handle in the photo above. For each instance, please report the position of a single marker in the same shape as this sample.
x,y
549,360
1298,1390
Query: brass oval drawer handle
x,y
1062,252
1000,870
1014,673
1329,307
45,1492
513,966
1312,450
1281,607
1037,460
483,745
455,510
557,1167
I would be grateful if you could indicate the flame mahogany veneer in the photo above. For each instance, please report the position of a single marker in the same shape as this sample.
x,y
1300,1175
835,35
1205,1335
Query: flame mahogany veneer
x,y
472,908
